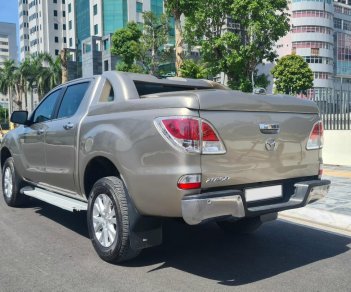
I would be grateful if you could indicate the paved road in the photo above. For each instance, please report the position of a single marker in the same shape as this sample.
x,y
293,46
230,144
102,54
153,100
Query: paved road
x,y
44,248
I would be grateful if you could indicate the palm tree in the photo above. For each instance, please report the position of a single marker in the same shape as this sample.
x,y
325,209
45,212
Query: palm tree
x,y
41,71
35,69
64,65
8,81
25,72
50,74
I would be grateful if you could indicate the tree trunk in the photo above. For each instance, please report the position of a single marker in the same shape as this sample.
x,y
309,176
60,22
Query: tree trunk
x,y
25,96
64,66
10,108
178,42
31,99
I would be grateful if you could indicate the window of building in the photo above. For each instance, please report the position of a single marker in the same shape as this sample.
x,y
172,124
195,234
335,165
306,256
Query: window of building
x,y
95,9
312,13
315,51
56,52
96,29
55,1
337,23
70,24
106,44
55,26
86,48
322,75
72,99
56,39
55,12
139,7
70,42
69,8
64,13
64,27
338,9
346,25
315,44
64,40
63,2
311,28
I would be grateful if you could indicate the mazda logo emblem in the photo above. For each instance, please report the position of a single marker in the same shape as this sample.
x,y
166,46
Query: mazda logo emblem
x,y
270,145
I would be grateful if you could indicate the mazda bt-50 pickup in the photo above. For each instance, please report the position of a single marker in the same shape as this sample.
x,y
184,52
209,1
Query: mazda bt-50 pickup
x,y
132,149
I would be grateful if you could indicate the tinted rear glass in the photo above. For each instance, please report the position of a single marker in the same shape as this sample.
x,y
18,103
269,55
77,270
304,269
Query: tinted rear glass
x,y
145,88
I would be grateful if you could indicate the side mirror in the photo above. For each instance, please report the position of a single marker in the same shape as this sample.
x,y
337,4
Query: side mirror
x,y
19,117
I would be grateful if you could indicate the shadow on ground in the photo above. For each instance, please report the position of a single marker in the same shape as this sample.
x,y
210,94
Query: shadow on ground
x,y
207,252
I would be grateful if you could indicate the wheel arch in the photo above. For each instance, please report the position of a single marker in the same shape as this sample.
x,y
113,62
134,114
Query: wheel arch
x,y
97,168
5,154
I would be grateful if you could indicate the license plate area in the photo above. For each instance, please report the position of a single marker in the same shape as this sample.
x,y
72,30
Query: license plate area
x,y
263,193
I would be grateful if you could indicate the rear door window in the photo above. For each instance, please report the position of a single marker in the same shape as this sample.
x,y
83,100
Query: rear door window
x,y
72,99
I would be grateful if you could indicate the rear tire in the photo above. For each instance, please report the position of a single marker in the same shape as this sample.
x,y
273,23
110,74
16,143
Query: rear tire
x,y
246,225
11,185
108,221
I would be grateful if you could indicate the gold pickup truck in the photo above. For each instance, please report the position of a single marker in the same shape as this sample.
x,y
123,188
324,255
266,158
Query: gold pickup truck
x,y
132,149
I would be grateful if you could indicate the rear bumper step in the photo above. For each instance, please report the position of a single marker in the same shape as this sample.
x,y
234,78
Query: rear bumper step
x,y
231,203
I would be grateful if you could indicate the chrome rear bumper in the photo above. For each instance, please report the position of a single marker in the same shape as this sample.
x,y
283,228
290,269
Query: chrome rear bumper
x,y
231,203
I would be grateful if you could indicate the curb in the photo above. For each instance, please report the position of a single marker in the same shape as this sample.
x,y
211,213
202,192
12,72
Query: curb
x,y
319,217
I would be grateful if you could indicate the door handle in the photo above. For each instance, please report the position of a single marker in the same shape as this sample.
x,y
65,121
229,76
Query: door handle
x,y
68,126
40,131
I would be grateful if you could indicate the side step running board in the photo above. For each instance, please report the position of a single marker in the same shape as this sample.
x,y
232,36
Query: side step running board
x,y
58,200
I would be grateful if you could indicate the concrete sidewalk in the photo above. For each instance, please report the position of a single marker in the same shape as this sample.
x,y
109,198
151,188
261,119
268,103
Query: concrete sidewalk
x,y
334,211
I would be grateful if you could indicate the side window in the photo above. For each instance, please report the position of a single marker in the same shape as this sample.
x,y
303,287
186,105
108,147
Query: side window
x,y
45,110
72,99
107,94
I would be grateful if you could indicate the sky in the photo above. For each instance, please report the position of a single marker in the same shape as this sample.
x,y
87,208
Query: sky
x,y
9,13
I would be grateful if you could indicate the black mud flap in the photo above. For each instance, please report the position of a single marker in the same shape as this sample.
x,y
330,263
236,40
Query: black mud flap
x,y
145,231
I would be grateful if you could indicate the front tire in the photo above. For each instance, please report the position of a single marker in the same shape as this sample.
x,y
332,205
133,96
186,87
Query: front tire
x,y
11,185
108,220
246,225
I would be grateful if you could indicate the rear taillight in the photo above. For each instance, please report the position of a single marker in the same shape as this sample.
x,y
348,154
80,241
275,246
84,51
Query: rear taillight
x,y
189,182
190,134
211,143
315,140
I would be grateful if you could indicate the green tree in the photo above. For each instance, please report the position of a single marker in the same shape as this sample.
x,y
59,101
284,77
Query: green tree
x,y
192,69
155,34
177,8
126,45
10,83
256,26
4,118
292,75
25,73
49,73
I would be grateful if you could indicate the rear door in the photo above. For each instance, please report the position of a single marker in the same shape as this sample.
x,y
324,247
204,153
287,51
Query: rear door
x,y
61,139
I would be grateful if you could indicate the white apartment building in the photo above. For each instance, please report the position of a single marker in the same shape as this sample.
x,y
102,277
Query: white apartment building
x,y
8,50
42,26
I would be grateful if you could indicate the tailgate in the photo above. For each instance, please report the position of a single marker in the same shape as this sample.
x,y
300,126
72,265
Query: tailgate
x,y
248,158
